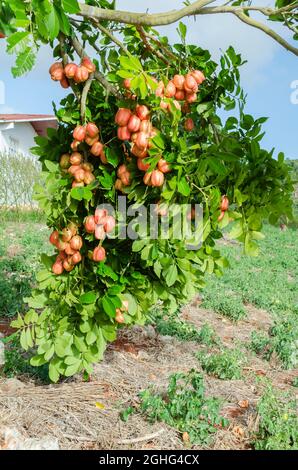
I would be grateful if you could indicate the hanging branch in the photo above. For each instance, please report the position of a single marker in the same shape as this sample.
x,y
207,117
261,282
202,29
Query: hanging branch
x,y
111,36
161,45
65,61
97,75
149,47
84,98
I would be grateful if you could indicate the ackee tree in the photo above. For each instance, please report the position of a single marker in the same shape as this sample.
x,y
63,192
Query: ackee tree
x,y
140,120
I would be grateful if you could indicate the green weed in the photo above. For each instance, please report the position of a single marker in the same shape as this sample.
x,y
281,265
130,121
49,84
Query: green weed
x,y
278,422
185,407
225,365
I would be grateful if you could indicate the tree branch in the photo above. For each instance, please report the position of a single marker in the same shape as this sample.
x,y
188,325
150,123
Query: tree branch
x,y
239,12
196,8
143,19
111,36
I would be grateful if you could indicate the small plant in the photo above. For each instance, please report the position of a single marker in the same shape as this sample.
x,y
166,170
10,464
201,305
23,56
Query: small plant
x,y
283,341
226,364
295,382
227,304
173,326
260,344
185,407
278,425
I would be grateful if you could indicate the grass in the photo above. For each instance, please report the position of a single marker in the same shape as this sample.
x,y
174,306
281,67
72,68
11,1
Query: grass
x,y
20,248
268,281
172,325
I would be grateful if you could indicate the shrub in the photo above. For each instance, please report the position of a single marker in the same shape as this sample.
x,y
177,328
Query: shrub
x,y
18,175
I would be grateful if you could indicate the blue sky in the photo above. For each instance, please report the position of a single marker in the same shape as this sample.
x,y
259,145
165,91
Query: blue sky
x,y
266,78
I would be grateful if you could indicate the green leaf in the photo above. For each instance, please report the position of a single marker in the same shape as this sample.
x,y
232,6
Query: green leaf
x,y
37,361
131,63
88,298
25,62
53,373
81,193
73,369
183,187
182,29
17,41
171,275
71,6
108,307
138,245
237,229
52,23
91,337
52,167
17,323
31,317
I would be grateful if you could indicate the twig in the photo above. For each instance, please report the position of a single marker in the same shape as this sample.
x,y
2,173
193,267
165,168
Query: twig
x,y
112,37
148,437
97,75
65,61
161,45
149,47
84,97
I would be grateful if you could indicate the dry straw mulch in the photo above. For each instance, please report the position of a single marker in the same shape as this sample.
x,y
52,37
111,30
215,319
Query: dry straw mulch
x,y
86,415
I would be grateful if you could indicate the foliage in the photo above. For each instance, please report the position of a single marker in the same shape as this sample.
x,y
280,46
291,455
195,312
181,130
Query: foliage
x,y
71,317
225,365
185,331
278,424
16,362
185,407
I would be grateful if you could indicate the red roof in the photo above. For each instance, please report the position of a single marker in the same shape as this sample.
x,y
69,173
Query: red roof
x,y
39,122
27,117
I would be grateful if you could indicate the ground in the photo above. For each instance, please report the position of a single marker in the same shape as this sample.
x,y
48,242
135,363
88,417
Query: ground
x,y
254,296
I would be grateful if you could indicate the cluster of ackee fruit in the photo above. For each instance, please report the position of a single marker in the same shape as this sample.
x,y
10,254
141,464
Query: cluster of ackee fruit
x,y
82,172
182,88
78,73
136,128
69,244
90,135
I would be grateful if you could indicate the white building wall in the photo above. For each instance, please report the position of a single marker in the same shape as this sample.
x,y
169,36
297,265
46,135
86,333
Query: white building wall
x,y
18,137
